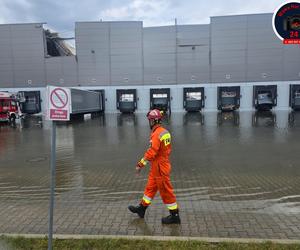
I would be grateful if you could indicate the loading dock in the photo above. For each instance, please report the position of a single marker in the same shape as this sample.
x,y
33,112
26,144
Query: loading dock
x,y
85,102
160,99
264,97
32,102
193,99
228,98
126,100
295,97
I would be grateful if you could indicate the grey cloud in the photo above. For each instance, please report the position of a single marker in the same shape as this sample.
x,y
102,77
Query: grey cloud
x,y
61,15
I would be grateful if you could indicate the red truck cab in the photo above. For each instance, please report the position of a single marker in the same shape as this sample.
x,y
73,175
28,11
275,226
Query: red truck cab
x,y
9,107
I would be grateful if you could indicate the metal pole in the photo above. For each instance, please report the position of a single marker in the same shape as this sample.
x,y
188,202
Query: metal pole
x,y
176,52
52,185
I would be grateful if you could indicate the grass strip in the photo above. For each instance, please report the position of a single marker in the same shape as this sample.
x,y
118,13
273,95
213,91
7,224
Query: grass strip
x,y
20,243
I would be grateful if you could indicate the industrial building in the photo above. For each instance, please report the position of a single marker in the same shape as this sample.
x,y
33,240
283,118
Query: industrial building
x,y
235,62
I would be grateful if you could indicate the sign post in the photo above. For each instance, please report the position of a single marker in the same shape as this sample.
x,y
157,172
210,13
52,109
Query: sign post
x,y
52,183
58,109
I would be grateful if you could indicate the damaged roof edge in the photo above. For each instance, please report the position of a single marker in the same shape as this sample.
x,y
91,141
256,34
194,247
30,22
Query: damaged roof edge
x,y
56,45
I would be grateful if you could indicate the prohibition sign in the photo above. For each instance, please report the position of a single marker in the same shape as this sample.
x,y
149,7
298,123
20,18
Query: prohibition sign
x,y
59,98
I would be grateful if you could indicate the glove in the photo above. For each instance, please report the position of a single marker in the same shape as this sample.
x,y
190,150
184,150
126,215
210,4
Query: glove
x,y
139,165
142,163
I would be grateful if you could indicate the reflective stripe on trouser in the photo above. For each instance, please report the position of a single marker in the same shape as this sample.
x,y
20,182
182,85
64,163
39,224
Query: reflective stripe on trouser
x,y
172,206
165,188
146,200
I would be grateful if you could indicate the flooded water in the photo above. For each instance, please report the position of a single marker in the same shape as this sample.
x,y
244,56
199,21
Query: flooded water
x,y
216,157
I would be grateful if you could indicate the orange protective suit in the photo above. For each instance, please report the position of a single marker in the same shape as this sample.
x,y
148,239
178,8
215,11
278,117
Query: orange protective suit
x,y
159,176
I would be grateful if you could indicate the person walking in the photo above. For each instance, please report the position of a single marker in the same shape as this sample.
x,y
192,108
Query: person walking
x,y
159,176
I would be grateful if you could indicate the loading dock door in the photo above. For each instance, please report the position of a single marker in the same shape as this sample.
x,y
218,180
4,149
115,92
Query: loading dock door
x,y
193,99
32,104
102,98
160,99
228,98
264,97
126,100
295,97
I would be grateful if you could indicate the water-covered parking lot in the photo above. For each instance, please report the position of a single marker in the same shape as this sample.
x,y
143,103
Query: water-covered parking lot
x,y
234,174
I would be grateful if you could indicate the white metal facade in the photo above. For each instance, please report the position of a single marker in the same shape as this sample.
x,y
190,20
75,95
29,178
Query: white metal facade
x,y
230,51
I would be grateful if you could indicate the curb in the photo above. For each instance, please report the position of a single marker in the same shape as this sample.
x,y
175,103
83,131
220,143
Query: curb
x,y
158,238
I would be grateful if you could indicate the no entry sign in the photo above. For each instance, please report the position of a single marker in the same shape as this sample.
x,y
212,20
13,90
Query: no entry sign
x,y
58,103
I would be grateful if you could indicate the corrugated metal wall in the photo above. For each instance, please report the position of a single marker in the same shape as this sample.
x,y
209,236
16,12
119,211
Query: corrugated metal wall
x,y
264,50
22,58
93,53
245,48
61,71
228,49
232,49
6,58
126,53
159,55
109,53
193,54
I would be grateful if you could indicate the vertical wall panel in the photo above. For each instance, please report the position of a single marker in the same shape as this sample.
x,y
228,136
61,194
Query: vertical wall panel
x,y
93,53
159,55
27,41
126,53
6,60
193,54
228,48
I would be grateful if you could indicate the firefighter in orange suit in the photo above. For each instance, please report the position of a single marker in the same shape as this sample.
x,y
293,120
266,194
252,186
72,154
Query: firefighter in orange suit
x,y
159,176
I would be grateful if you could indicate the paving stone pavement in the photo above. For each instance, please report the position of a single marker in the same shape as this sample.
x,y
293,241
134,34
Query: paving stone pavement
x,y
113,218
230,181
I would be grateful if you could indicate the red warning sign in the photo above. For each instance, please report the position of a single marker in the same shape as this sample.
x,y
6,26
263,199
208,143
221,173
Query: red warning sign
x,y
58,103
59,98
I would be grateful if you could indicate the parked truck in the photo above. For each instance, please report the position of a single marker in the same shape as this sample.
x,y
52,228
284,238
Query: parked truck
x,y
9,107
85,101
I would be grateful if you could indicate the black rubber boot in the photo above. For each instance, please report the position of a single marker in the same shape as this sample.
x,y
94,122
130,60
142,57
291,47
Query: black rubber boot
x,y
173,218
140,210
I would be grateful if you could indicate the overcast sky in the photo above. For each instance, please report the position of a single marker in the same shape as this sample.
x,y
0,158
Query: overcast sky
x,y
60,15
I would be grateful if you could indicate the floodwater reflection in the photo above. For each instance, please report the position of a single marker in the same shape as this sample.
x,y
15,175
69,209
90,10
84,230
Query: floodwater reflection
x,y
264,119
228,118
193,118
217,157
294,119
125,119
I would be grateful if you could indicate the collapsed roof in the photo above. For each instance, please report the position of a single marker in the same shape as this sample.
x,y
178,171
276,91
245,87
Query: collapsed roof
x,y
57,46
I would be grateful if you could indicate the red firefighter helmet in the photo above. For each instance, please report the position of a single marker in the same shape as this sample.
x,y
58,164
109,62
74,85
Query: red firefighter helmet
x,y
154,114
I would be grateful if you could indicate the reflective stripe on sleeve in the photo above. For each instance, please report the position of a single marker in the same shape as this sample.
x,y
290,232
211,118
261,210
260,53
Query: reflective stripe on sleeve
x,y
144,162
164,135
